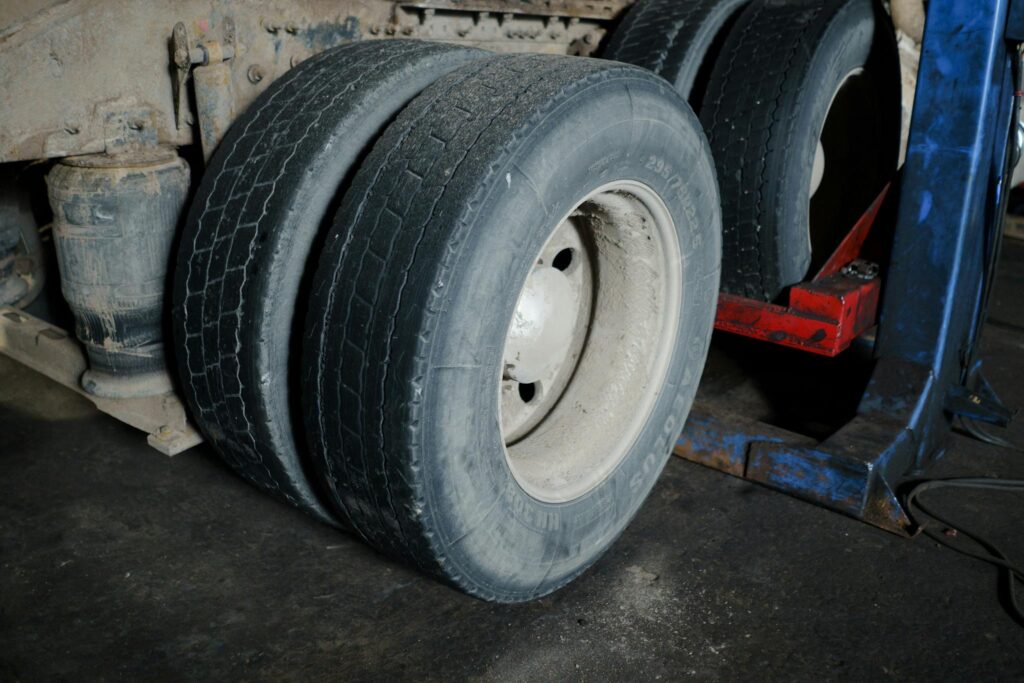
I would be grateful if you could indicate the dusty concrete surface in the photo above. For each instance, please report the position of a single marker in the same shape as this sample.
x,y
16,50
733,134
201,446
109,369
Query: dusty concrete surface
x,y
118,563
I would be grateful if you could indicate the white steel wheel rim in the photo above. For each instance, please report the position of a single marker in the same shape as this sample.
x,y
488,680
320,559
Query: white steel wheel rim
x,y
842,106
589,345
818,167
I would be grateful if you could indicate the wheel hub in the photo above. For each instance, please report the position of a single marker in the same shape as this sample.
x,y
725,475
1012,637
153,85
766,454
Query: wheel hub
x,y
542,327
589,341
547,331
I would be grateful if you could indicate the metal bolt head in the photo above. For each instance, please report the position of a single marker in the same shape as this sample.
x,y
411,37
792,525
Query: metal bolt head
x,y
179,39
255,73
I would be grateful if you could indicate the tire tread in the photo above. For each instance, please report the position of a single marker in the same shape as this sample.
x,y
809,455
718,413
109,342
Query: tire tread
x,y
455,138
221,288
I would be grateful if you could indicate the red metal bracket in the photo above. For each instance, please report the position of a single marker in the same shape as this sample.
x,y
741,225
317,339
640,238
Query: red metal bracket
x,y
824,315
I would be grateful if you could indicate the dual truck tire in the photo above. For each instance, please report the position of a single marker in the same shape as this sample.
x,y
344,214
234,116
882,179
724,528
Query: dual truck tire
x,y
357,257
458,303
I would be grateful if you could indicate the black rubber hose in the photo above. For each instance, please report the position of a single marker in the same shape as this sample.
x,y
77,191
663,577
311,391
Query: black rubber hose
x,y
1010,572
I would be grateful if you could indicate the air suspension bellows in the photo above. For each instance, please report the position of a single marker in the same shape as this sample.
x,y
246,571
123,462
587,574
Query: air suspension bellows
x,y
114,224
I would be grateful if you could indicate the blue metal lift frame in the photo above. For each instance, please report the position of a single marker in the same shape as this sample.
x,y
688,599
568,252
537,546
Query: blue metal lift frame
x,y
934,300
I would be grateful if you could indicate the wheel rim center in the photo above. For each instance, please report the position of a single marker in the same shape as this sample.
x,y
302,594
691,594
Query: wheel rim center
x,y
542,327
590,340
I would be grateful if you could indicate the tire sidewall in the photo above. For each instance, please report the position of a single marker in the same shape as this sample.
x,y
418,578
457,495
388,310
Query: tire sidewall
x,y
491,531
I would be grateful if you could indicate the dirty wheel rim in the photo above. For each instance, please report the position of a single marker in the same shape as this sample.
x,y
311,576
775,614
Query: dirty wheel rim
x,y
843,175
588,348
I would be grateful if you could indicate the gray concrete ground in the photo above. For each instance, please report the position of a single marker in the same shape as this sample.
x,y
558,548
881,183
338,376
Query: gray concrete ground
x,y
118,563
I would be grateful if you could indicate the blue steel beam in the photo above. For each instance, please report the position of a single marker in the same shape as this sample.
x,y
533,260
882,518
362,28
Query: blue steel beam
x,y
949,204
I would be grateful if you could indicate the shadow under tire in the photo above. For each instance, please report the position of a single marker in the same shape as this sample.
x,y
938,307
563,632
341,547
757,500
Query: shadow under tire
x,y
411,353
270,189
789,76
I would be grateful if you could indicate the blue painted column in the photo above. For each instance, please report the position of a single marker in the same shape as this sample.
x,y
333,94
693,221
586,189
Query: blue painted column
x,y
947,207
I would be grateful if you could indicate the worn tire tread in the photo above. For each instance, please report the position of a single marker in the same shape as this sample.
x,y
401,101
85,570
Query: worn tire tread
x,y
221,286
399,229
670,37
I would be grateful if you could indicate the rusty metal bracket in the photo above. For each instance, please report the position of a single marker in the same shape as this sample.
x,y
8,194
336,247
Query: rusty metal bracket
x,y
834,474
53,352
183,57
207,64
824,315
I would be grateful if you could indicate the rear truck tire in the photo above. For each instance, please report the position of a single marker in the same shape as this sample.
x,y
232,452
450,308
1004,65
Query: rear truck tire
x,y
803,114
272,184
527,220
678,40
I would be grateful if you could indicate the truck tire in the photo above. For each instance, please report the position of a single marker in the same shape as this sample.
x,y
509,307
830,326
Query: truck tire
x,y
242,266
510,317
677,40
803,114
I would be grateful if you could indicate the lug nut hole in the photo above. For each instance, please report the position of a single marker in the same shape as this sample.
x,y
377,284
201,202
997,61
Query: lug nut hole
x,y
563,259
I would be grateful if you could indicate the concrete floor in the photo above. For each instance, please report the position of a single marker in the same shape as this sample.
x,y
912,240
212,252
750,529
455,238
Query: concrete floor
x,y
118,563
